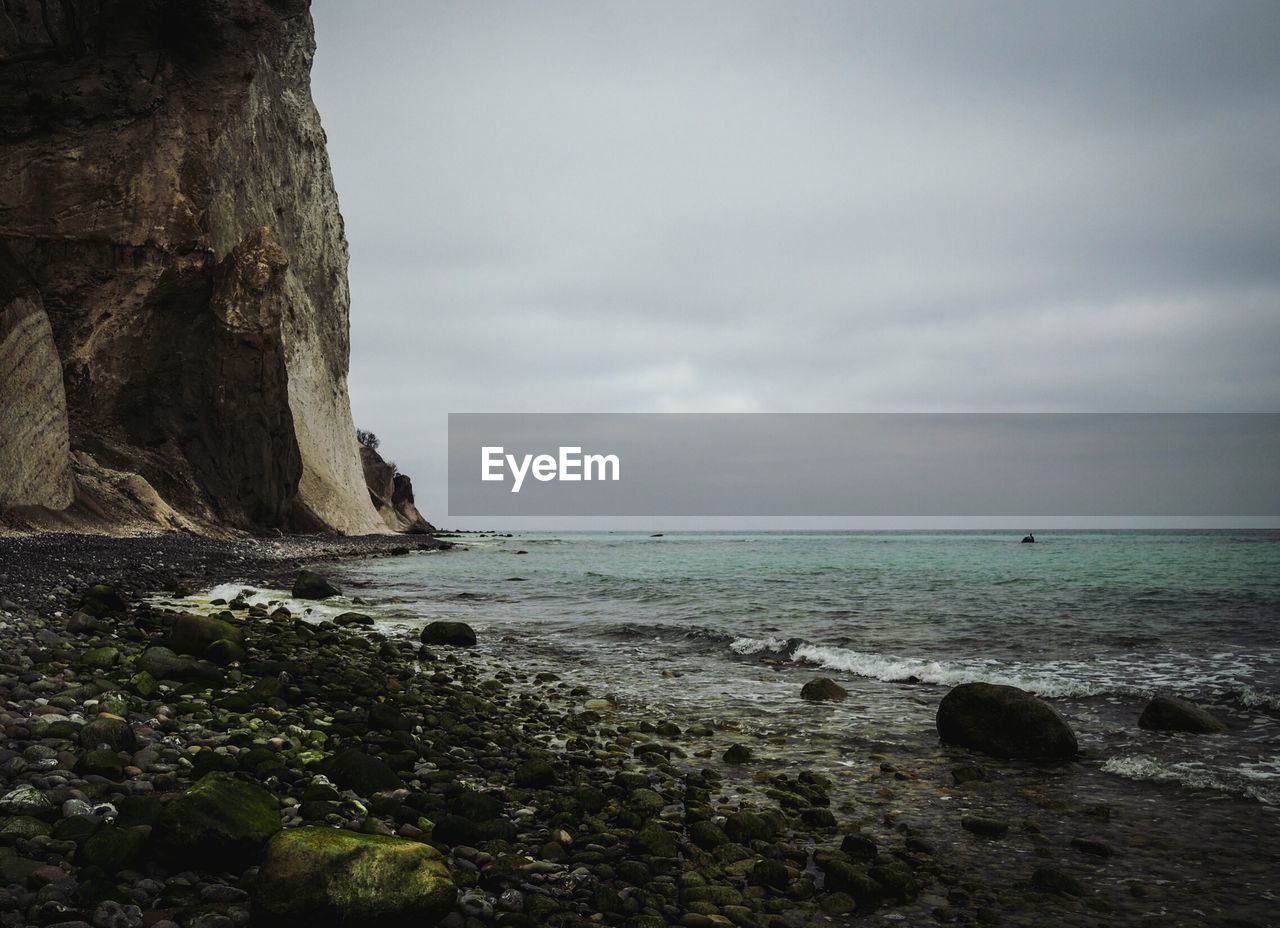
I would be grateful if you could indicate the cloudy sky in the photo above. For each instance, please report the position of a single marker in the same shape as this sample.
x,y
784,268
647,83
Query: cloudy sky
x,y
817,207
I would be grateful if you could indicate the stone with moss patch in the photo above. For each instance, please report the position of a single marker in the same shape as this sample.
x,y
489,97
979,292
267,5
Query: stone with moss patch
x,y
321,877
218,820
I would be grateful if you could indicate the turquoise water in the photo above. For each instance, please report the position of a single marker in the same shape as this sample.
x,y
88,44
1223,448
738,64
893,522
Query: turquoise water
x,y
730,624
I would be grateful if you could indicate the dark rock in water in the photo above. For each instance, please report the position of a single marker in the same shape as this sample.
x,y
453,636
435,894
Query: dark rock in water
x,y
968,773
109,731
1004,721
192,634
1093,847
737,754
984,827
859,847
319,877
218,821
1165,713
822,688
458,634
1049,880
845,877
707,835
745,827
163,664
310,585
353,618
356,770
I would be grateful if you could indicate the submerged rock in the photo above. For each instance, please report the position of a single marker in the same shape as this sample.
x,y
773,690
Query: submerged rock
x,y
458,634
310,585
331,878
1165,713
1004,721
823,688
218,821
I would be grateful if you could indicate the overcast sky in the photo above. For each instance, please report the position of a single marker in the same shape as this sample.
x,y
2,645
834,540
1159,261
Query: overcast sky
x,y
816,207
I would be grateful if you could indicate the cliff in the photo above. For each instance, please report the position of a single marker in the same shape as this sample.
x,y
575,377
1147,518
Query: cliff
x,y
173,289
391,493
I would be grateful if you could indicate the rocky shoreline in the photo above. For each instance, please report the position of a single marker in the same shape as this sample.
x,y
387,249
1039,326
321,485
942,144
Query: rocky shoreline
x,y
208,768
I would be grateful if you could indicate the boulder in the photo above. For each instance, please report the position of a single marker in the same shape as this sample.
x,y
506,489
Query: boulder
x,y
192,634
109,731
162,664
361,772
458,634
821,689
218,821
1004,721
353,618
1165,713
332,878
310,585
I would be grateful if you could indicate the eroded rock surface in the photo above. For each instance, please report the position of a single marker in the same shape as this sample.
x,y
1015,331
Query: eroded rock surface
x,y
392,494
174,263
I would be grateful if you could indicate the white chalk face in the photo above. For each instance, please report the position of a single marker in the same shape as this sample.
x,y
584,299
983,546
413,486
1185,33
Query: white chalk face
x,y
728,207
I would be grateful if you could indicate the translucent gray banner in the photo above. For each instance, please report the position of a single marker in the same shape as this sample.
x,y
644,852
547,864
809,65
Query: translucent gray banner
x,y
787,464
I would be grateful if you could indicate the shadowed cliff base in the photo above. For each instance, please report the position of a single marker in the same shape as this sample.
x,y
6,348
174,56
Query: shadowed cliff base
x,y
173,289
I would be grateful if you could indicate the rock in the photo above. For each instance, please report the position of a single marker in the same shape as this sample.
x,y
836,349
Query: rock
x,y
100,658
353,618
193,634
1165,713
25,800
162,664
656,841
103,600
457,634
112,848
1049,880
1004,721
320,877
199,331
109,731
361,772
224,651
737,754
535,773
822,689
392,494
984,827
218,821
859,847
745,827
310,585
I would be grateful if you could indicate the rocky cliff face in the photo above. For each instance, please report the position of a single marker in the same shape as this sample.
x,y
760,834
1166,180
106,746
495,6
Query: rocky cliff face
x,y
173,292
392,495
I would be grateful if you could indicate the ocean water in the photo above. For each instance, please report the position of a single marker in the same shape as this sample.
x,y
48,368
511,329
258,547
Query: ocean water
x,y
727,626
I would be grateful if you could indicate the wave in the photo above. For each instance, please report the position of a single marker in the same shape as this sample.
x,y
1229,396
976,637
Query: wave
x,y
1264,788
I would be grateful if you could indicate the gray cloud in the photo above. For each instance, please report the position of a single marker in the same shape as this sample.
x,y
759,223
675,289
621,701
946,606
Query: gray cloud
x,y
820,207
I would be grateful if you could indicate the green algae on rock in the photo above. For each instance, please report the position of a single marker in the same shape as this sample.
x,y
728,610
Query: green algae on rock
x,y
333,878
218,819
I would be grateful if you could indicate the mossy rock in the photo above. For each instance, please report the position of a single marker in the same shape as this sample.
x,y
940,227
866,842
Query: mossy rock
x,y
101,658
333,878
100,762
193,634
112,848
353,769
218,820
163,664
109,731
655,841
745,827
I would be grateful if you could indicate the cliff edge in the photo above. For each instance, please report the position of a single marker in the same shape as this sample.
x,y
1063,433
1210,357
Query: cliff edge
x,y
173,272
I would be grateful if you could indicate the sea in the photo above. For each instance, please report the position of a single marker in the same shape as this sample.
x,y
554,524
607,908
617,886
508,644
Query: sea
x,y
724,628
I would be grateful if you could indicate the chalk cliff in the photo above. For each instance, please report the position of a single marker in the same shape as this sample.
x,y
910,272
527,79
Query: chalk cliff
x,y
391,493
173,288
